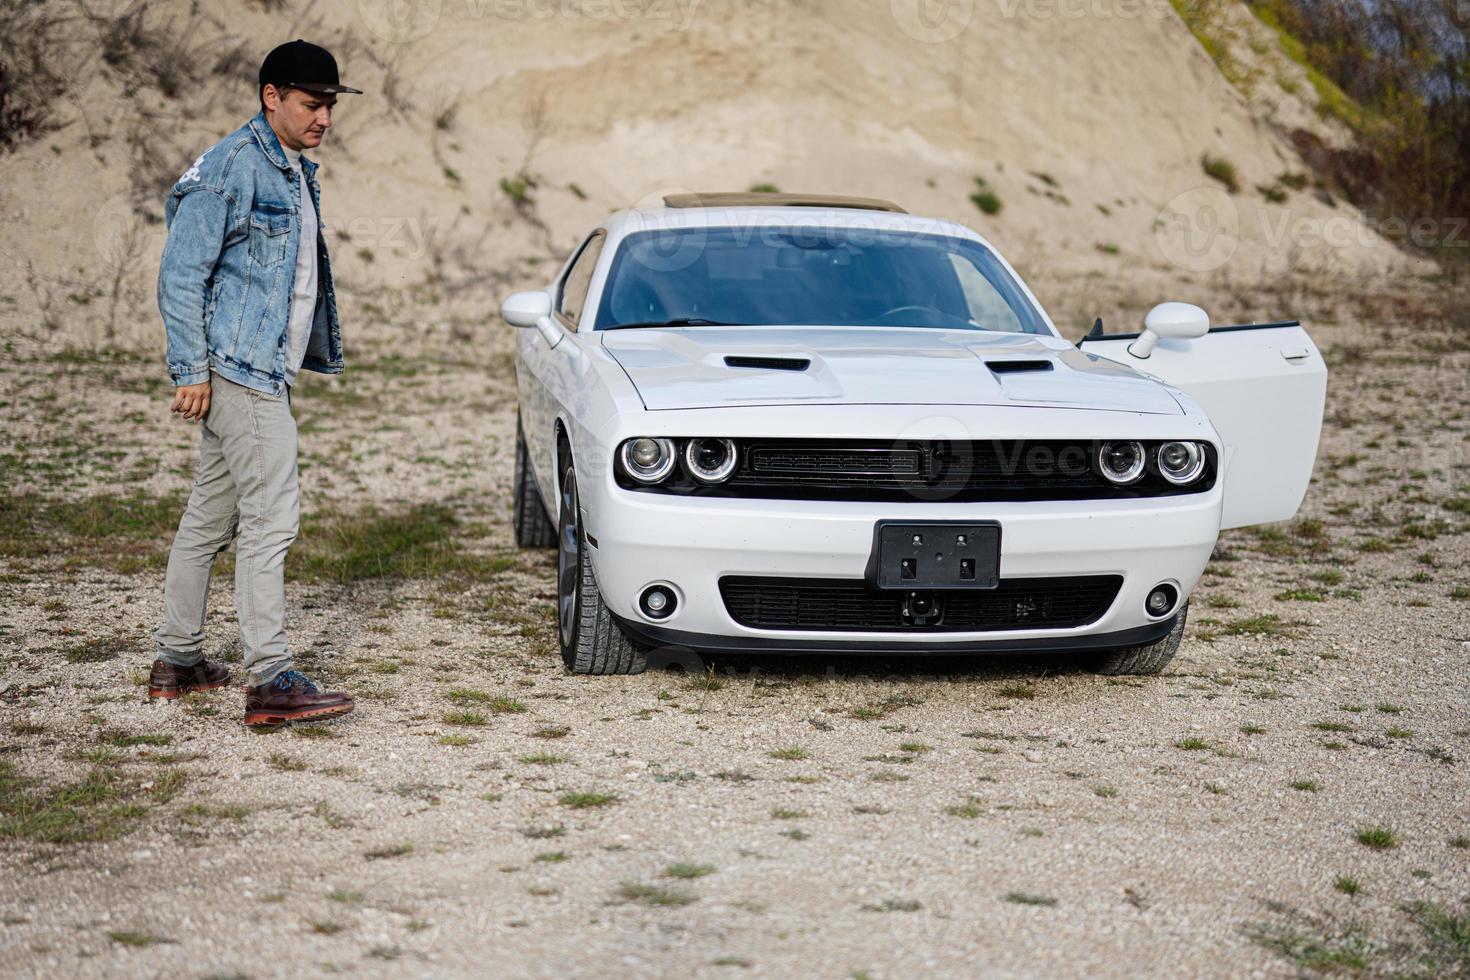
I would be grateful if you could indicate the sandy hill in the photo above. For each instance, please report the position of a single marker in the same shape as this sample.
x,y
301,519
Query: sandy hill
x,y
495,132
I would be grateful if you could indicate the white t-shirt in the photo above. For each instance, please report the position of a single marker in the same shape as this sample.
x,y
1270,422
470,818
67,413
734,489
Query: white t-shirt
x,y
303,293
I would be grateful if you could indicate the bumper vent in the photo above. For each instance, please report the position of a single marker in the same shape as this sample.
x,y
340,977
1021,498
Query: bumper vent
x,y
849,605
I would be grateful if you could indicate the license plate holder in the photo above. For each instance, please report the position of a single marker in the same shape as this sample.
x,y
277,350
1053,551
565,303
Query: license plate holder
x,y
935,555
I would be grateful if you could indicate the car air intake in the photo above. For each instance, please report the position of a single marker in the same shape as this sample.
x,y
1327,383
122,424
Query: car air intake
x,y
850,605
1017,367
770,363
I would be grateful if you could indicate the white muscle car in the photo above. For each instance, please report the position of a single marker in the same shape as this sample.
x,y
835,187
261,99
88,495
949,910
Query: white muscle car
x,y
775,423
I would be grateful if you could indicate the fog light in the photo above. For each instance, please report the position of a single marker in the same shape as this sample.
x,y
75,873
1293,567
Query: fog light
x,y
1161,600
657,602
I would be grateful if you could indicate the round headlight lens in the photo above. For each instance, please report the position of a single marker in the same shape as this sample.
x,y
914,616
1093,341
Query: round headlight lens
x,y
1121,462
1181,462
648,460
710,460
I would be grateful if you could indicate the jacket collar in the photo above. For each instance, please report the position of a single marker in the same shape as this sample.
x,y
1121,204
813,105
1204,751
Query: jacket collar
x,y
271,146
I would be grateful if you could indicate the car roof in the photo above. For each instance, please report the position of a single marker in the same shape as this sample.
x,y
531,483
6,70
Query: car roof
x,y
776,199
755,216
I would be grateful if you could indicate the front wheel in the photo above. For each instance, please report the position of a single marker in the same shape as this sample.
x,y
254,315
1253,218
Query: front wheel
x,y
532,524
1151,658
591,640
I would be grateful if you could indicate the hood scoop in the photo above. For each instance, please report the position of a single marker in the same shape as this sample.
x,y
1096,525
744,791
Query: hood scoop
x,y
769,363
1017,367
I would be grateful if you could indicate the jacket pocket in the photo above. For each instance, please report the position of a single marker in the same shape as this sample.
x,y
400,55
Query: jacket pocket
x,y
269,232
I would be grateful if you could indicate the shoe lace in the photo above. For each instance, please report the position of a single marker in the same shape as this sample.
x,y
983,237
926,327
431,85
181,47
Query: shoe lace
x,y
291,678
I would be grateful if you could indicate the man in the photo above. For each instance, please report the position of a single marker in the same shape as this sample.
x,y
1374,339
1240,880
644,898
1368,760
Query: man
x,y
245,289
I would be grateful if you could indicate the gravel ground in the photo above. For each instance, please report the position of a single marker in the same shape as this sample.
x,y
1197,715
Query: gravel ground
x,y
481,812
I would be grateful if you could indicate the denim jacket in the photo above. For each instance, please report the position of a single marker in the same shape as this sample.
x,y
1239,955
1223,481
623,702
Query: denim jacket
x,y
224,285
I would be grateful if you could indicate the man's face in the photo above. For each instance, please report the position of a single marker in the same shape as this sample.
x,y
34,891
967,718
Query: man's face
x,y
299,118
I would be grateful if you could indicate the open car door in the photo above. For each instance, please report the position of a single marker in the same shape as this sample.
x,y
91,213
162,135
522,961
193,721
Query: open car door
x,y
1263,386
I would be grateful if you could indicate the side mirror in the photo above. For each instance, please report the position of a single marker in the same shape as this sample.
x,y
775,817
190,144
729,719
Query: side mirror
x,y
1180,321
526,309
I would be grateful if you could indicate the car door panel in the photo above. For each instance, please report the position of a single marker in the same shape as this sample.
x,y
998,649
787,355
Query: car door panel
x,y
1264,388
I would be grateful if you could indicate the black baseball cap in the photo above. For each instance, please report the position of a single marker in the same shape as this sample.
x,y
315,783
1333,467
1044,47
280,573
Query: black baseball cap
x,y
301,64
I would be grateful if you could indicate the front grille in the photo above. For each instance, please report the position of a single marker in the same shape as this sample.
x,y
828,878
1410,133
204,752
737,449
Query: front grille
x,y
850,605
909,470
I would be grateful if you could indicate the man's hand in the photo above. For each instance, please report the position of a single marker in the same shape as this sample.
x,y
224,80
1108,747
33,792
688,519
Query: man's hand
x,y
191,401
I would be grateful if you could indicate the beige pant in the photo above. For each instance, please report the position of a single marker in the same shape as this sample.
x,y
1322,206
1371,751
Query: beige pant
x,y
246,481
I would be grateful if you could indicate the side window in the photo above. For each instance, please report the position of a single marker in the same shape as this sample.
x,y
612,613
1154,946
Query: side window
x,y
579,280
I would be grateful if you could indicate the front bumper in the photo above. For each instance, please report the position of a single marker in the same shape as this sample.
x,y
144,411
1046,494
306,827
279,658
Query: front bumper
x,y
691,543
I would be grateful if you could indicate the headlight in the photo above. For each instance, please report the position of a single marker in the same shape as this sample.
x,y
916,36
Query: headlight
x,y
1121,462
648,460
710,460
1181,462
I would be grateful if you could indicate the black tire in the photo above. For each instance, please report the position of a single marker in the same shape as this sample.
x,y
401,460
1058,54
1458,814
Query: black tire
x,y
1151,658
533,525
591,640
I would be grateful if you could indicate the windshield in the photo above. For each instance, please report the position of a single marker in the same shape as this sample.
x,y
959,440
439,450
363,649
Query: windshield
x,y
812,276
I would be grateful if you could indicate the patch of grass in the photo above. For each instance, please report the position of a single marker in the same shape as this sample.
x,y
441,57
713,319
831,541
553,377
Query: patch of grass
x,y
466,718
424,541
552,731
1222,170
543,759
790,753
1306,785
1251,728
984,198
390,851
283,762
1378,838
315,731
551,857
1300,595
100,807
915,748
1017,691
1320,951
781,813
654,895
969,810
1347,884
682,870
1027,898
1192,744
125,740
1265,625
457,740
136,939
582,801
1398,732
1334,726
1106,792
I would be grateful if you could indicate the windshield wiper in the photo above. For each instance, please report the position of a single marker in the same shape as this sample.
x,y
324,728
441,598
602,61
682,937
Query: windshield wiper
x,y
683,321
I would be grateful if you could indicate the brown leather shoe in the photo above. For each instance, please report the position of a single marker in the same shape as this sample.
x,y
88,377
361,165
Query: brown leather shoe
x,y
291,697
167,681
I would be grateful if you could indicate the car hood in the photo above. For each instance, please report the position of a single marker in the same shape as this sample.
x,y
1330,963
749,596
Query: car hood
x,y
714,367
